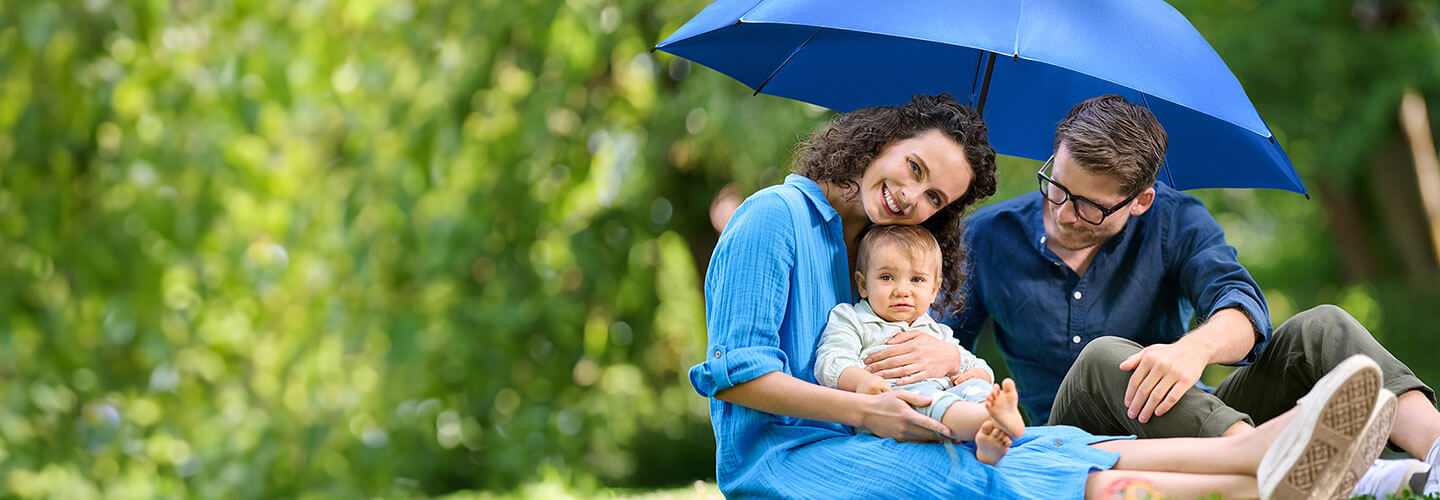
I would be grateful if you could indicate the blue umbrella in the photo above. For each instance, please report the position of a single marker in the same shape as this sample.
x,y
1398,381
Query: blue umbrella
x,y
1022,64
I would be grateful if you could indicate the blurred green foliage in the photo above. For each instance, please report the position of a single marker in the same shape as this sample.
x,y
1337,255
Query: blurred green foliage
x,y
339,249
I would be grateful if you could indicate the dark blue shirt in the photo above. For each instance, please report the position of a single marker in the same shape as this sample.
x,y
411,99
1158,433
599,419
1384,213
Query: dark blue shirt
x,y
1145,284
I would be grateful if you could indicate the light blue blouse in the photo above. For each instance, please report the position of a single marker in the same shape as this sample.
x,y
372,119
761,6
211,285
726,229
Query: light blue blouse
x,y
779,268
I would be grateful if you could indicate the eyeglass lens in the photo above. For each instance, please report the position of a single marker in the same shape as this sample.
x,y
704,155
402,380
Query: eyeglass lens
x,y
1087,211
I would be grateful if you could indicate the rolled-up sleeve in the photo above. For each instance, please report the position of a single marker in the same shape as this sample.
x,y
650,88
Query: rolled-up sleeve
x,y
746,292
1210,273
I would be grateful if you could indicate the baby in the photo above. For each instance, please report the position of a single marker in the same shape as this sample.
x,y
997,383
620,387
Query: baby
x,y
898,275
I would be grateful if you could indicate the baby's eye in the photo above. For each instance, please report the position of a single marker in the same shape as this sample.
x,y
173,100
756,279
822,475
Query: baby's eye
x,y
886,277
918,279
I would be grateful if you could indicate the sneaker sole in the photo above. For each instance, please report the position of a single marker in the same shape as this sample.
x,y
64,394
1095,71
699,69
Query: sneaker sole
x,y
1372,441
1312,454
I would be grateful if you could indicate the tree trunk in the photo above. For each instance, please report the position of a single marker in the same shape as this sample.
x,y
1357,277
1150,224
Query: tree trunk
x,y
1416,123
1352,235
1401,211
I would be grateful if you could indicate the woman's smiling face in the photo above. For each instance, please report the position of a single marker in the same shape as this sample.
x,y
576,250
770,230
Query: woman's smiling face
x,y
913,178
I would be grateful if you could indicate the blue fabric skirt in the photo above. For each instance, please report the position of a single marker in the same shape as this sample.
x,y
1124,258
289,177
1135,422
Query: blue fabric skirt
x,y
1049,462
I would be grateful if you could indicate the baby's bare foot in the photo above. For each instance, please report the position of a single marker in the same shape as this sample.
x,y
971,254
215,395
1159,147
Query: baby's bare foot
x,y
1003,403
991,443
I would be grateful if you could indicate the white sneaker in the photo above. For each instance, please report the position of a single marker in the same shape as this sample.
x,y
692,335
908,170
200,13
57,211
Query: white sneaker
x,y
1390,477
1316,453
1432,484
1371,441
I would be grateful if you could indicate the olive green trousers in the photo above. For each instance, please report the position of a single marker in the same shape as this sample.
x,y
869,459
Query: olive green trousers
x,y
1303,349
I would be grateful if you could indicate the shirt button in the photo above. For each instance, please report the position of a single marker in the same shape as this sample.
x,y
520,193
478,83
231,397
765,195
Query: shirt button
x,y
1058,442
1042,240
1075,339
1076,295
717,353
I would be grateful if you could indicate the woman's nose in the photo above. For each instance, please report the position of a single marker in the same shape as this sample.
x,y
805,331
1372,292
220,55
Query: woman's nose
x,y
905,195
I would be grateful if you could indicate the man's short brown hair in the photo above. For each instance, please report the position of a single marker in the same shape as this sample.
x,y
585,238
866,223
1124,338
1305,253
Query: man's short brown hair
x,y
1112,136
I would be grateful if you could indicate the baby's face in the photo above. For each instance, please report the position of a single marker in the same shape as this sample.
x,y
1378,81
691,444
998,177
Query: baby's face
x,y
900,288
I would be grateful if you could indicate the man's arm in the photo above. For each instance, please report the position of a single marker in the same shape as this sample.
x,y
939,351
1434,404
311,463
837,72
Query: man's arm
x,y
1210,275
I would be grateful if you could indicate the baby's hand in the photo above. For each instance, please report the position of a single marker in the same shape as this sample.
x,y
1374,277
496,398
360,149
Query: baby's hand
x,y
973,373
872,385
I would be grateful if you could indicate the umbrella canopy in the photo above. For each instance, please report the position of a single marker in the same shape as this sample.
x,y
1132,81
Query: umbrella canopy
x,y
1022,64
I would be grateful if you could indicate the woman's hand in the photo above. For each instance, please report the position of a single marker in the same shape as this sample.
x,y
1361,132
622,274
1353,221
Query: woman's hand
x,y
889,415
915,356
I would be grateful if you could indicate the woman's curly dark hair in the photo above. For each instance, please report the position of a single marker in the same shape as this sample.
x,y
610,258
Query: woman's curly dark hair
x,y
840,153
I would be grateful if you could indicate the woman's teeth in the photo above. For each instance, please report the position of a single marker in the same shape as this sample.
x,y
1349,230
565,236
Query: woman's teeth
x,y
890,201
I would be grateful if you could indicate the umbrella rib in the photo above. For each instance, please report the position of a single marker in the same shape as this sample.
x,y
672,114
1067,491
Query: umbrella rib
x,y
985,87
1169,172
787,61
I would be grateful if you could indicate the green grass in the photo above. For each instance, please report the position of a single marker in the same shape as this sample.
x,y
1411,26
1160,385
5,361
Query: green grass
x,y
557,490
700,490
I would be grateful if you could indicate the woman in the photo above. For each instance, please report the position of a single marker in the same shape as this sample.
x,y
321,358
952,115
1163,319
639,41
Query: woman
x,y
782,264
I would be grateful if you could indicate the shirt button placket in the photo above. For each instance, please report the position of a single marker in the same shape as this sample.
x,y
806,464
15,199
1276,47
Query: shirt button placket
x,y
1074,309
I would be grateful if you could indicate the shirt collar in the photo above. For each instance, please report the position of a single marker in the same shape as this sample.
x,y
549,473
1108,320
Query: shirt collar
x,y
867,315
813,193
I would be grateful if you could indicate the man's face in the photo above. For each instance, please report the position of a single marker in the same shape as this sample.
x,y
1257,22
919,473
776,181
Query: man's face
x,y
1063,228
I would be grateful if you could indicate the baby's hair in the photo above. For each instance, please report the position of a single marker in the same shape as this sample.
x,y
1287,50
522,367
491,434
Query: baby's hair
x,y
915,241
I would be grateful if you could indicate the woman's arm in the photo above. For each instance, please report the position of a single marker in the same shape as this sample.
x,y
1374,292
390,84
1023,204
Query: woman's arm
x,y
888,415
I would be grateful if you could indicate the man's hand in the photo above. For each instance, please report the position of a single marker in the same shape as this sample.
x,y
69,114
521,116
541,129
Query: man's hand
x,y
914,357
973,373
1162,374
872,384
890,416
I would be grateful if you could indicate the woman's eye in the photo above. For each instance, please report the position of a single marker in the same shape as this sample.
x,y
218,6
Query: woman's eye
x,y
934,198
914,168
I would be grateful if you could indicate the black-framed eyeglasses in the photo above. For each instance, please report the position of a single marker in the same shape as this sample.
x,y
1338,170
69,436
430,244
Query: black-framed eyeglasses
x,y
1086,210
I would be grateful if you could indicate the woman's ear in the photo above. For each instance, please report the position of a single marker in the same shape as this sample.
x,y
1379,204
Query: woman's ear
x,y
860,284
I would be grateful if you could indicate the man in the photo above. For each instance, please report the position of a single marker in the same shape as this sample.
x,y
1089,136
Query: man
x,y
1093,280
